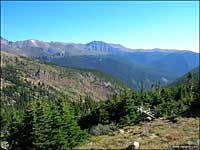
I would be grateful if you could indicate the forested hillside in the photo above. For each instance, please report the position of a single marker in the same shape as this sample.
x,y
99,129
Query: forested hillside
x,y
193,74
24,79
36,118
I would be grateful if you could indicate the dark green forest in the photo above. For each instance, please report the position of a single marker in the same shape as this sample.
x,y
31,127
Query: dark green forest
x,y
32,117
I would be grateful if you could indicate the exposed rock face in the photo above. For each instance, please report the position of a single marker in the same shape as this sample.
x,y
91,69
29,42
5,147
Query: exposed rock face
x,y
101,46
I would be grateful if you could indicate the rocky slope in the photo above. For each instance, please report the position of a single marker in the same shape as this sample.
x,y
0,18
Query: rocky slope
x,y
73,82
157,134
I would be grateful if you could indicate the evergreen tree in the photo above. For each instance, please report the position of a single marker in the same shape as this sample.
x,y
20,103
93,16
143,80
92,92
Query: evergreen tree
x,y
47,126
189,76
142,88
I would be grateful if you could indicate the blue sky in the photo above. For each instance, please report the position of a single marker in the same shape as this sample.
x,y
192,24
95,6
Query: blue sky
x,y
132,24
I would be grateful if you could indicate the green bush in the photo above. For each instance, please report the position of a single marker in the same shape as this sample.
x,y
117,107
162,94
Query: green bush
x,y
102,129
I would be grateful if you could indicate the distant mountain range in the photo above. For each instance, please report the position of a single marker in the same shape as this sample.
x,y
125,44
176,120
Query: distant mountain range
x,y
61,47
129,65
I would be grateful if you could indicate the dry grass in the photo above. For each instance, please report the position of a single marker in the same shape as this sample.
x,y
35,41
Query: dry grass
x,y
157,134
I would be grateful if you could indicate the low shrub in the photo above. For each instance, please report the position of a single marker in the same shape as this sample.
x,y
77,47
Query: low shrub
x,y
103,129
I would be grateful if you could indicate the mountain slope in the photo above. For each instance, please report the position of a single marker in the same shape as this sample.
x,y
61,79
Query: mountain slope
x,y
129,73
184,79
73,82
180,63
157,134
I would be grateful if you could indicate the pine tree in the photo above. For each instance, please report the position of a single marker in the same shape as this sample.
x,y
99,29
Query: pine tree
x,y
47,126
189,76
142,88
20,136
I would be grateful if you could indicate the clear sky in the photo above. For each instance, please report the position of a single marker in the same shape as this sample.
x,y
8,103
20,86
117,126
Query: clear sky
x,y
132,24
